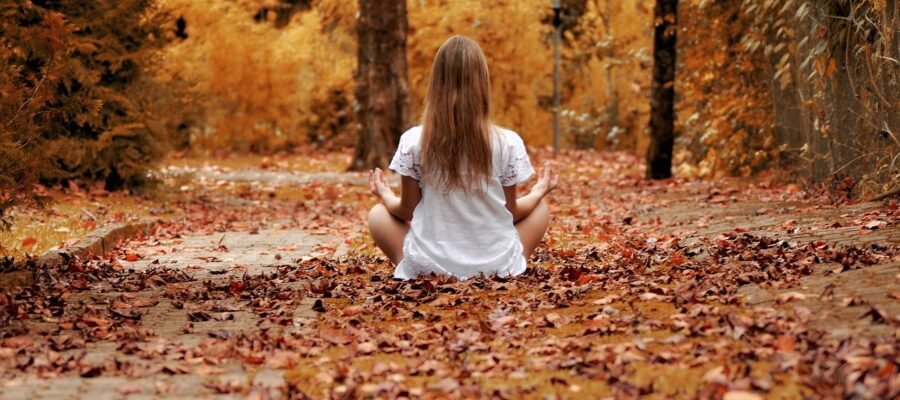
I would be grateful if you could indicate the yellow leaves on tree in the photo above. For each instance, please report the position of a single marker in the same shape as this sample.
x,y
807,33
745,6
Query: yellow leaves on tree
x,y
744,69
259,83
724,112
265,87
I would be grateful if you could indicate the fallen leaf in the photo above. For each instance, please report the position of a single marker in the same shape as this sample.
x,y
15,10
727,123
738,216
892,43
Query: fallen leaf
x,y
853,301
366,348
791,296
875,224
128,389
785,343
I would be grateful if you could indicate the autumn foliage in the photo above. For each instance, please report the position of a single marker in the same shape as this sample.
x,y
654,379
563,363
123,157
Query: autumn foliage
x,y
806,85
260,262
79,100
100,90
759,83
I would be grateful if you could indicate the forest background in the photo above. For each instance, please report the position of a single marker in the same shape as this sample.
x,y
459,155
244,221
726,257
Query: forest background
x,y
99,92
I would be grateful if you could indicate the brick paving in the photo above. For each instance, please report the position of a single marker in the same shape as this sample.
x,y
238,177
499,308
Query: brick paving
x,y
222,256
207,260
823,292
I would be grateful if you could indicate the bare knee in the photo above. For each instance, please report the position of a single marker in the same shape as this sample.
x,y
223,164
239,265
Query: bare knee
x,y
376,214
532,228
541,215
542,209
387,232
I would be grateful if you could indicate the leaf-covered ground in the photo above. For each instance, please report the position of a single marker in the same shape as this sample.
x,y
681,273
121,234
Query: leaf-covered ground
x,y
730,289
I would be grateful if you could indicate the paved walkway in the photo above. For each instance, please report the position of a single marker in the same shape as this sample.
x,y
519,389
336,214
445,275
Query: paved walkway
x,y
257,175
838,299
180,324
203,303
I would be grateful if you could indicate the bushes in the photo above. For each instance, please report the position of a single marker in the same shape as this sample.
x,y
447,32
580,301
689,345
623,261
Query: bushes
x,y
19,157
724,108
811,85
32,45
77,98
264,85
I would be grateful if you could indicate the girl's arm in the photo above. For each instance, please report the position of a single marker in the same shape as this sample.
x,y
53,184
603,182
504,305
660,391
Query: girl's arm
x,y
523,206
403,206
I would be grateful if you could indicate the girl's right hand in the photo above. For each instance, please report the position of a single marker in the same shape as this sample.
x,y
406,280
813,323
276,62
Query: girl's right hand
x,y
548,177
379,185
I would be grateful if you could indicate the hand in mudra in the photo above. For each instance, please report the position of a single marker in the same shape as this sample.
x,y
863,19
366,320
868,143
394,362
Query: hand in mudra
x,y
548,177
379,185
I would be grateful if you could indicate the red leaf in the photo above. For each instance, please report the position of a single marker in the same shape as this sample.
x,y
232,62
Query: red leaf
x,y
887,371
785,343
236,287
29,241
585,279
677,260
256,359
80,284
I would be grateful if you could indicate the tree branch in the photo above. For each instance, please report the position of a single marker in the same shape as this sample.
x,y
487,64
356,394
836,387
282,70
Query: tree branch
x,y
890,193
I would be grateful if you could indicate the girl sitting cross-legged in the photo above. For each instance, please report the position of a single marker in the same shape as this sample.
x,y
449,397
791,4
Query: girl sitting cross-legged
x,y
457,213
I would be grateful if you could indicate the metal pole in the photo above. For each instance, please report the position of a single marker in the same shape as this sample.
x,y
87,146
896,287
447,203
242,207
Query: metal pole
x,y
557,23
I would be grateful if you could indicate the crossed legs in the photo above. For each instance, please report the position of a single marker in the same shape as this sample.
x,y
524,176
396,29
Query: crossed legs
x,y
389,231
533,227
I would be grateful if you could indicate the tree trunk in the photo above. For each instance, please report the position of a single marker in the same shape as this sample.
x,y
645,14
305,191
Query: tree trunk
x,y
612,94
382,90
662,102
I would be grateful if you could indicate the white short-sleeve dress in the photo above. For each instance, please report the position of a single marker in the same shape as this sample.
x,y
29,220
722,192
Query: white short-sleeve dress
x,y
460,234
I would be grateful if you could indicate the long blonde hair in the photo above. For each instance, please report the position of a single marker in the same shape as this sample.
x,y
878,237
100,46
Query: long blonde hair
x,y
456,141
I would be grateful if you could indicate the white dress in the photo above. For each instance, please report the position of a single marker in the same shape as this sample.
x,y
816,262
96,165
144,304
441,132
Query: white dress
x,y
459,234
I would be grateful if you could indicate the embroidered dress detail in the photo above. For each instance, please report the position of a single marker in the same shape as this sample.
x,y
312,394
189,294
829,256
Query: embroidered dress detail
x,y
518,170
454,233
405,163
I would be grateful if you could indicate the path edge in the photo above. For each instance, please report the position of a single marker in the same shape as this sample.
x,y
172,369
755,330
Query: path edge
x,y
98,242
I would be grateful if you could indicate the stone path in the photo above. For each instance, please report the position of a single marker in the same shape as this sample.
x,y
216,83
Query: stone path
x,y
219,257
223,257
825,292
273,177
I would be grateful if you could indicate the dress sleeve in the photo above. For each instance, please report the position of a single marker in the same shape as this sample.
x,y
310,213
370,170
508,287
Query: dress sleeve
x,y
518,169
406,159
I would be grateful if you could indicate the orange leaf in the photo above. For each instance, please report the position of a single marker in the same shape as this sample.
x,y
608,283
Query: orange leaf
x,y
676,260
785,343
597,323
131,257
80,284
29,241
585,279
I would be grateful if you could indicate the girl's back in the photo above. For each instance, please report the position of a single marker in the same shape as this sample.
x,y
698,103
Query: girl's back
x,y
464,231
458,213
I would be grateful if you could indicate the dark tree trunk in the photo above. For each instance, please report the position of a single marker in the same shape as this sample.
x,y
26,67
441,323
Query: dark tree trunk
x,y
382,90
662,102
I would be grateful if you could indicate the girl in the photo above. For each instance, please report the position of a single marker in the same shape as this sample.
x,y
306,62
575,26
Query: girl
x,y
457,213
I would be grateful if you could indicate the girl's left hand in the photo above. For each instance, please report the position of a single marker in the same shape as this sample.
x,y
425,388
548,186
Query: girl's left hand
x,y
379,185
548,178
